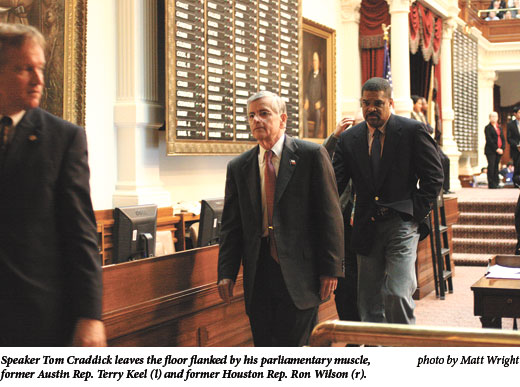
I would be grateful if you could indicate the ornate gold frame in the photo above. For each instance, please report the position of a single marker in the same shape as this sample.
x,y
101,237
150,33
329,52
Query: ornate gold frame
x,y
329,35
75,61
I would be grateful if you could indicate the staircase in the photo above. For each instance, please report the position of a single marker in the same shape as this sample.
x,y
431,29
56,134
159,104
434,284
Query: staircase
x,y
484,229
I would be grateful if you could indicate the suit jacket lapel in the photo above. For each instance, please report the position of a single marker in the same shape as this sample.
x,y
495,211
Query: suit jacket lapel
x,y
27,131
251,173
392,138
360,149
288,164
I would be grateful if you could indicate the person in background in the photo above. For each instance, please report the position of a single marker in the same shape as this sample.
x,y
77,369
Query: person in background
x,y
419,113
50,271
282,222
515,13
495,5
397,174
494,148
480,180
346,291
513,135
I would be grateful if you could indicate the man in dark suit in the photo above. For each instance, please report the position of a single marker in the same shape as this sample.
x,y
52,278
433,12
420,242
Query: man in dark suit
x,y
50,273
494,148
386,157
282,221
513,135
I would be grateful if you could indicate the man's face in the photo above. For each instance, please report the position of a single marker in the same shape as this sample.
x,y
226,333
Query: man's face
x,y
493,118
376,107
266,125
21,78
517,115
315,62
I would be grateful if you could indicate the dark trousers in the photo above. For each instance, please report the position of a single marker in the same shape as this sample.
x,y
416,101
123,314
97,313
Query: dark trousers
x,y
346,291
275,320
445,162
492,173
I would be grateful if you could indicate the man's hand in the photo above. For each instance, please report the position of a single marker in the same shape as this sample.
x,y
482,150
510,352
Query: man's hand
x,y
500,151
345,123
317,105
306,104
328,285
225,289
89,333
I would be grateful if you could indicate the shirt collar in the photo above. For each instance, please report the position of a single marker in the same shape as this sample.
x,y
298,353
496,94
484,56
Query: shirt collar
x,y
277,148
17,117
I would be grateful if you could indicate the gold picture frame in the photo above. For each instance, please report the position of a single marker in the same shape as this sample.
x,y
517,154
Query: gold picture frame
x,y
64,24
318,88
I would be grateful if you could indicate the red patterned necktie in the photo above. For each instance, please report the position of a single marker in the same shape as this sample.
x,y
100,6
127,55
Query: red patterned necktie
x,y
270,184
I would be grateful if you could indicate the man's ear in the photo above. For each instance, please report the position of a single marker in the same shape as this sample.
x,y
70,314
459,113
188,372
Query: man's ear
x,y
283,116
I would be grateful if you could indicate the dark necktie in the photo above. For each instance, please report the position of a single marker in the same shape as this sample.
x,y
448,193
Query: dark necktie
x,y
375,154
270,184
5,123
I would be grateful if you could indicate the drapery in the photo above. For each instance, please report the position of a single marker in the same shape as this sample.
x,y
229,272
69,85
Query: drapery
x,y
425,32
373,14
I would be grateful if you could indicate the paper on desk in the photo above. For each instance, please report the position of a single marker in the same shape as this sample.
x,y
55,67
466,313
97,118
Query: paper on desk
x,y
504,272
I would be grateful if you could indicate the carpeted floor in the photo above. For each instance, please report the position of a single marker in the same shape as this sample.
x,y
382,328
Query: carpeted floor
x,y
456,310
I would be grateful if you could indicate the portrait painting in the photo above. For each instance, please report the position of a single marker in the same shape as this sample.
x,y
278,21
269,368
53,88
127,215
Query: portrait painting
x,y
317,61
63,23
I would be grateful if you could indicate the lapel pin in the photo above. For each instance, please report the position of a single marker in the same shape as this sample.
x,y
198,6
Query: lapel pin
x,y
33,137
292,162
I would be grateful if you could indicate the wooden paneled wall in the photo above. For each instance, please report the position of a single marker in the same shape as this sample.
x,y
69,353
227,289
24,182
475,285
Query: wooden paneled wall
x,y
173,301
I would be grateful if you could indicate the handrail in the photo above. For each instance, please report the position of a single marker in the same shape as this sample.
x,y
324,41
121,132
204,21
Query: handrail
x,y
496,10
402,335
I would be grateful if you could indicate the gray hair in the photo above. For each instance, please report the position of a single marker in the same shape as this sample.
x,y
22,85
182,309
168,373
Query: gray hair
x,y
15,35
278,104
378,84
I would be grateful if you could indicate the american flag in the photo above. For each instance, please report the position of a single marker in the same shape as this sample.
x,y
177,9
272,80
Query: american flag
x,y
387,72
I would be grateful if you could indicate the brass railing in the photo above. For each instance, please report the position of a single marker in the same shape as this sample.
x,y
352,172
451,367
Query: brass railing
x,y
400,335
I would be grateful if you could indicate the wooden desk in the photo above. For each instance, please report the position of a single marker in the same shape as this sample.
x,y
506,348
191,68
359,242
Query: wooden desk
x,y
497,298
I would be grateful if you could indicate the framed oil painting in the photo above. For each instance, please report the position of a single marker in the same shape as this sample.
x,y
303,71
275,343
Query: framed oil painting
x,y
318,91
